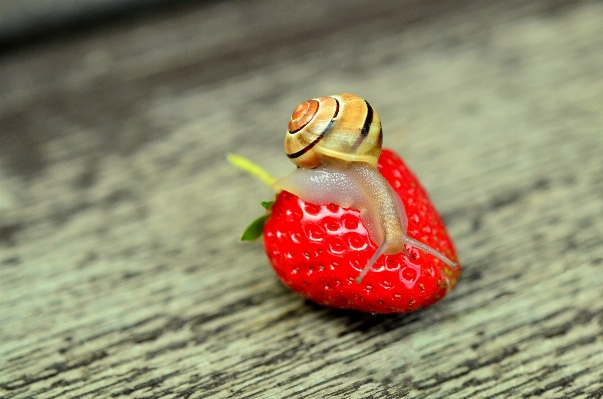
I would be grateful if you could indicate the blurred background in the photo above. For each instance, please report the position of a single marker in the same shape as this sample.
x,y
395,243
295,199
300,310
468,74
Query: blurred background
x,y
120,218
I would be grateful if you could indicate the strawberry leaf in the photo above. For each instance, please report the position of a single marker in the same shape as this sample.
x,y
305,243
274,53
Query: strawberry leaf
x,y
267,204
255,229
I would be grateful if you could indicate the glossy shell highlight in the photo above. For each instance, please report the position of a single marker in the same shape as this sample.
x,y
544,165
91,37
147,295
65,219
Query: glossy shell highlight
x,y
343,127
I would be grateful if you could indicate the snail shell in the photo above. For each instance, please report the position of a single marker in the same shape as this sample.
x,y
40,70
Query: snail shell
x,y
336,142
343,127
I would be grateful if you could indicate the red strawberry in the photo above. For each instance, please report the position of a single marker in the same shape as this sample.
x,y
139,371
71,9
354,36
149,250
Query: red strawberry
x,y
319,251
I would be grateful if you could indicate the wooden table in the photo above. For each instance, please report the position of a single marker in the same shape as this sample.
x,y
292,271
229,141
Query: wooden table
x,y
120,270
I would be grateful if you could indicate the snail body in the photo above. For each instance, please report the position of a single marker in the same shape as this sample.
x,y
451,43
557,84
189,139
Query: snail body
x,y
336,142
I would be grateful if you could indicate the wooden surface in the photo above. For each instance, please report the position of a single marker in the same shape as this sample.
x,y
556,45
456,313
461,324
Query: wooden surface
x,y
120,270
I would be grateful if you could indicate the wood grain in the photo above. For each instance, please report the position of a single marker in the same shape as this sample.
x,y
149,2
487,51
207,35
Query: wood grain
x,y
120,270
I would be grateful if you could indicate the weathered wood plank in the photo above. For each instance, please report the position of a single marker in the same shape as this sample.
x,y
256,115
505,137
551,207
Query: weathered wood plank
x,y
544,342
120,273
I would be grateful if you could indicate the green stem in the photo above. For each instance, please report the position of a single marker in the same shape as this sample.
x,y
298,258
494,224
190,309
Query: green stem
x,y
251,168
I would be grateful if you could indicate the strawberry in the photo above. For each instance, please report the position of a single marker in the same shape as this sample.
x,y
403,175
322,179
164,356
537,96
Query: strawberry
x,y
320,250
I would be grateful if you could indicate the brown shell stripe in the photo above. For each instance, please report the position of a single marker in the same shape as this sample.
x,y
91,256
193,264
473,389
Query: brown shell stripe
x,y
365,128
303,114
322,134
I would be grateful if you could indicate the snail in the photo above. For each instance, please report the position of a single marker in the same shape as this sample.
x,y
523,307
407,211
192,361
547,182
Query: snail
x,y
335,142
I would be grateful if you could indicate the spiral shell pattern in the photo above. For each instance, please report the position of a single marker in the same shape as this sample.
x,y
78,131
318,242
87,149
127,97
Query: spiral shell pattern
x,y
342,126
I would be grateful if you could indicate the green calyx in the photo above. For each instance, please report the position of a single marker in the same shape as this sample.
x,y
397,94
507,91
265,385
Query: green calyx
x,y
267,204
256,228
